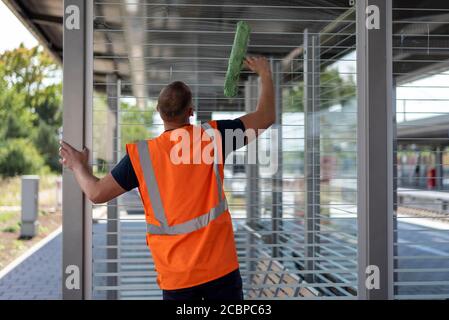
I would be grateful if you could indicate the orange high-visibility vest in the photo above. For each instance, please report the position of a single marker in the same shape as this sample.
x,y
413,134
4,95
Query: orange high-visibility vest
x,y
189,228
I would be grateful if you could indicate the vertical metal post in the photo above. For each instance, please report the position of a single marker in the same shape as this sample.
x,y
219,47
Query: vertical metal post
x,y
112,91
277,177
395,184
201,115
77,93
375,150
439,172
118,156
252,188
197,77
311,151
118,117
252,175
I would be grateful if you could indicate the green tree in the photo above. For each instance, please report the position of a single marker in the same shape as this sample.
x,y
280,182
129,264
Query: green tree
x,y
334,89
137,123
30,106
15,121
18,156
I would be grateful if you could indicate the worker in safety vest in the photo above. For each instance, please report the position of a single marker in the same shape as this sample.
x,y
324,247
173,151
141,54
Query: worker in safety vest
x,y
180,179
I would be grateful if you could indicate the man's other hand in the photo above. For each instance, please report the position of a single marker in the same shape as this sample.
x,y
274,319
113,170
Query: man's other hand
x,y
72,158
97,190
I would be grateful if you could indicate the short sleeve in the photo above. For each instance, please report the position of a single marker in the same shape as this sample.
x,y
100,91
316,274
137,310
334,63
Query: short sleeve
x,y
124,174
232,134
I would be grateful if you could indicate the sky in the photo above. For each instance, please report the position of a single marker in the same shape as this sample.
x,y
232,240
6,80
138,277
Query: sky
x,y
423,98
13,31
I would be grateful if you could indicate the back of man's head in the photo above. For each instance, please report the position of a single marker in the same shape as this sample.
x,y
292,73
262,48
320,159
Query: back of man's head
x,y
174,101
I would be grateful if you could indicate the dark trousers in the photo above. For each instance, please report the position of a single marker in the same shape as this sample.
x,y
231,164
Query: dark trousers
x,y
228,287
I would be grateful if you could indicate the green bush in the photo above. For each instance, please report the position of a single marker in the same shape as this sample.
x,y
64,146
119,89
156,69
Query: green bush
x,y
45,139
12,229
19,156
30,112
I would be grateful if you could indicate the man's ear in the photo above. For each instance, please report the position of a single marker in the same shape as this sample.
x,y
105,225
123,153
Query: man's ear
x,y
190,112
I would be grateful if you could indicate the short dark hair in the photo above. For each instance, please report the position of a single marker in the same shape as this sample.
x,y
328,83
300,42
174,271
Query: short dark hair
x,y
174,100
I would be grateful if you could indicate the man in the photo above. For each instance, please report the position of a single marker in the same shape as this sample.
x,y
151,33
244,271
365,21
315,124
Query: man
x,y
189,228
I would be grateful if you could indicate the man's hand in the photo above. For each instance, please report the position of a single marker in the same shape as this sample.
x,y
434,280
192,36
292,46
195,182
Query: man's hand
x,y
264,116
259,65
97,190
72,158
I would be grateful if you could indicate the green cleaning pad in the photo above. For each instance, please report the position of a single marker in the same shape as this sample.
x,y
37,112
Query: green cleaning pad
x,y
238,53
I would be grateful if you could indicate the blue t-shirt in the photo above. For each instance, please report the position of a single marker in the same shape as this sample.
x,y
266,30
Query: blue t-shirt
x,y
124,173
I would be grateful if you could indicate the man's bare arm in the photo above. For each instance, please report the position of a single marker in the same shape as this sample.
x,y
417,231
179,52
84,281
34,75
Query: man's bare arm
x,y
265,115
97,190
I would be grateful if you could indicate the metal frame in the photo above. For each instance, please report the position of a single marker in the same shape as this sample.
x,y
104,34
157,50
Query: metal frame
x,y
311,150
375,150
113,214
252,174
439,165
394,248
252,169
135,35
77,119
277,183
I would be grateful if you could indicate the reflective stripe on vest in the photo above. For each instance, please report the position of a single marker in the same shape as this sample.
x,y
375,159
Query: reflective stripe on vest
x,y
155,196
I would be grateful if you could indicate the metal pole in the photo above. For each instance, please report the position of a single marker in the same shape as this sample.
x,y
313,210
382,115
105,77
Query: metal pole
x,y
252,174
439,167
77,92
277,177
375,151
118,119
395,183
252,169
311,150
112,91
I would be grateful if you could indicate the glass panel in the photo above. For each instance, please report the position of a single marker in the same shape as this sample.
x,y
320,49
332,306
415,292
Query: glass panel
x,y
421,73
294,211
